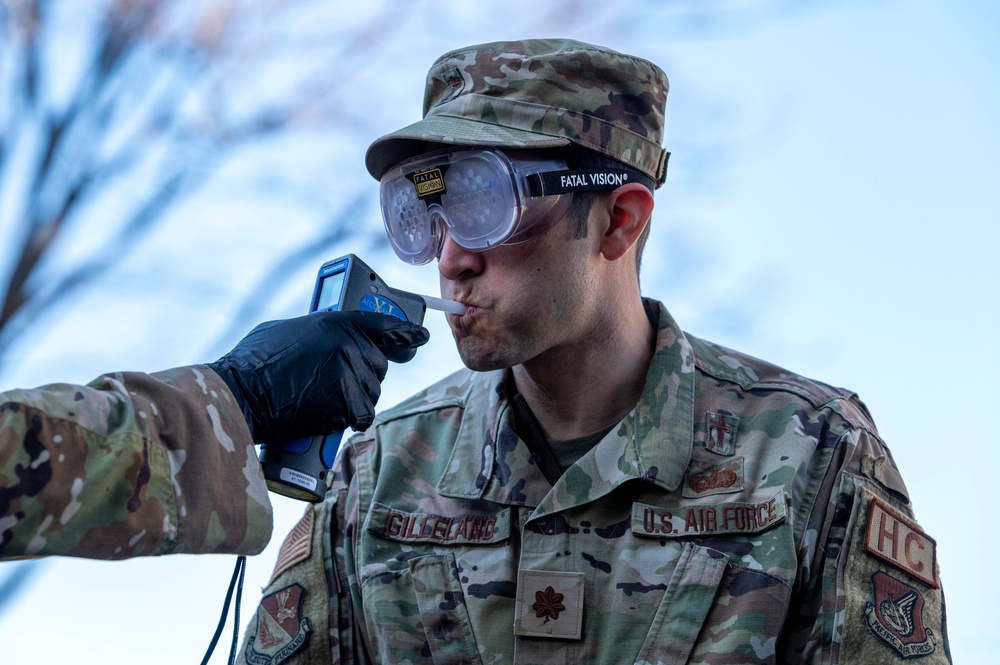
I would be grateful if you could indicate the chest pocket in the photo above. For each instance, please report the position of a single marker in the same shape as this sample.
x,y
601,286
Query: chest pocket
x,y
420,612
443,612
684,607
412,589
713,606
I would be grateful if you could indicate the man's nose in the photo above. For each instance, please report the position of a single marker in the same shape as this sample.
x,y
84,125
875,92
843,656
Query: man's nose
x,y
456,262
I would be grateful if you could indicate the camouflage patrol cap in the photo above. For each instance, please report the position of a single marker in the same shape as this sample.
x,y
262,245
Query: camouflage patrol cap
x,y
538,93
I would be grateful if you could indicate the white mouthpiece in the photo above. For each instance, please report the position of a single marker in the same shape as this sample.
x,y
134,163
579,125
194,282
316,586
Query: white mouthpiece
x,y
443,305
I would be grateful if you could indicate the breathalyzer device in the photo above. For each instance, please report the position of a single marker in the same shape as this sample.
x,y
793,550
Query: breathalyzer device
x,y
299,468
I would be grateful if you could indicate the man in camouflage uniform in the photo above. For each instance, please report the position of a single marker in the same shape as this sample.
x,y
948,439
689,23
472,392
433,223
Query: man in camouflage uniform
x,y
599,486
143,464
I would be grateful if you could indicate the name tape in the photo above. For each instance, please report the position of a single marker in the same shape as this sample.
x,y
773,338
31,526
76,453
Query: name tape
x,y
431,528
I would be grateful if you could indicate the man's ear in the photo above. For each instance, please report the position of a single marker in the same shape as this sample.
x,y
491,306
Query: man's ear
x,y
629,208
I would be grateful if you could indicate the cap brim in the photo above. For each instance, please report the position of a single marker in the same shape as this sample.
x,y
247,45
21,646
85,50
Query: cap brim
x,y
441,130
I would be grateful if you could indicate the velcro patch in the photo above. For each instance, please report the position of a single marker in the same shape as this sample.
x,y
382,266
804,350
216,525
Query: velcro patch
x,y
706,478
549,604
297,546
896,540
677,520
443,529
720,432
281,630
897,617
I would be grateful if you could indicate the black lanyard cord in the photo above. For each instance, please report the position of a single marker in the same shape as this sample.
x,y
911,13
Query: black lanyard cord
x,y
235,583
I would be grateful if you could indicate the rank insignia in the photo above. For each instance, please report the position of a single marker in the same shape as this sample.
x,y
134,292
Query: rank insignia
x,y
896,617
281,629
549,604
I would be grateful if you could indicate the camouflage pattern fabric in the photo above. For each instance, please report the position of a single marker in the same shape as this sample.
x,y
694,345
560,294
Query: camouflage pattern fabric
x,y
129,465
538,94
739,514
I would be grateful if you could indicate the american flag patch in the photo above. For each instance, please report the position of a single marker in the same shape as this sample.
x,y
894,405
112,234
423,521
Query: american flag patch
x,y
297,546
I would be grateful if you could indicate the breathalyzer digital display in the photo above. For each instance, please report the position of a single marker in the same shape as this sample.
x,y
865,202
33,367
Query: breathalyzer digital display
x,y
330,288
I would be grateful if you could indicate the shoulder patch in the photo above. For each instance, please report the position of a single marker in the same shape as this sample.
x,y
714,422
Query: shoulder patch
x,y
281,629
297,546
893,606
896,616
900,542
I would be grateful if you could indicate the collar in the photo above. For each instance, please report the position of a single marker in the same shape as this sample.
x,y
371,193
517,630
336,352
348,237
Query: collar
x,y
652,443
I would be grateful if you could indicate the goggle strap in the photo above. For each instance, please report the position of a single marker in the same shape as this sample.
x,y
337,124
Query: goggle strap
x,y
550,183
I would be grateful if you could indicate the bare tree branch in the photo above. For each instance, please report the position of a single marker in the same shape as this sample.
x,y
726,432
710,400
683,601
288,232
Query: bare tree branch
x,y
171,91
174,61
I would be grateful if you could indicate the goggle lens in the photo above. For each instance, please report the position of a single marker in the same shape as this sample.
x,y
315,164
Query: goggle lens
x,y
413,231
474,196
478,208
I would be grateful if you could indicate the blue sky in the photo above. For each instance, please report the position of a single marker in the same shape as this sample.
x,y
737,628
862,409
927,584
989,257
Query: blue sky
x,y
831,207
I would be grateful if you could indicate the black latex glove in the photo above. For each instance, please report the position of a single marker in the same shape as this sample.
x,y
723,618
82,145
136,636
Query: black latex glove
x,y
317,373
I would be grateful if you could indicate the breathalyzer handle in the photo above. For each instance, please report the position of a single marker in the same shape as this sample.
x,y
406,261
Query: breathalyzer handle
x,y
299,468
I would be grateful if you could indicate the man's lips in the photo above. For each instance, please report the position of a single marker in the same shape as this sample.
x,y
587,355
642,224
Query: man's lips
x,y
470,308
465,299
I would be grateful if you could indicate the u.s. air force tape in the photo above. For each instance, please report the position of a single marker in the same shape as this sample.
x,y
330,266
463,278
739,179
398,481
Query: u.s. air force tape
x,y
682,520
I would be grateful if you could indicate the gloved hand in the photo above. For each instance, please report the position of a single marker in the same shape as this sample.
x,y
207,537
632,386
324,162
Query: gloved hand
x,y
317,373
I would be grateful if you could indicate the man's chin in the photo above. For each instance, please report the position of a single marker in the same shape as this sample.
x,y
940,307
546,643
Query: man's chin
x,y
479,357
477,364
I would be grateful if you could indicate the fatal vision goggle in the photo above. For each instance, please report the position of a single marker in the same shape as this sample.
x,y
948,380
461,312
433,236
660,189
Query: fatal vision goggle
x,y
482,198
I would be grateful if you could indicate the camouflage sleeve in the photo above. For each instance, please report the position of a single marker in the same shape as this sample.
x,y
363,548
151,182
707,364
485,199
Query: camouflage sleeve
x,y
130,465
869,589
306,615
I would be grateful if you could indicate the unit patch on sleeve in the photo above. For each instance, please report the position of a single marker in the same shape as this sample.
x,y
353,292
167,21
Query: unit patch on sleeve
x,y
897,540
896,616
280,630
887,575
